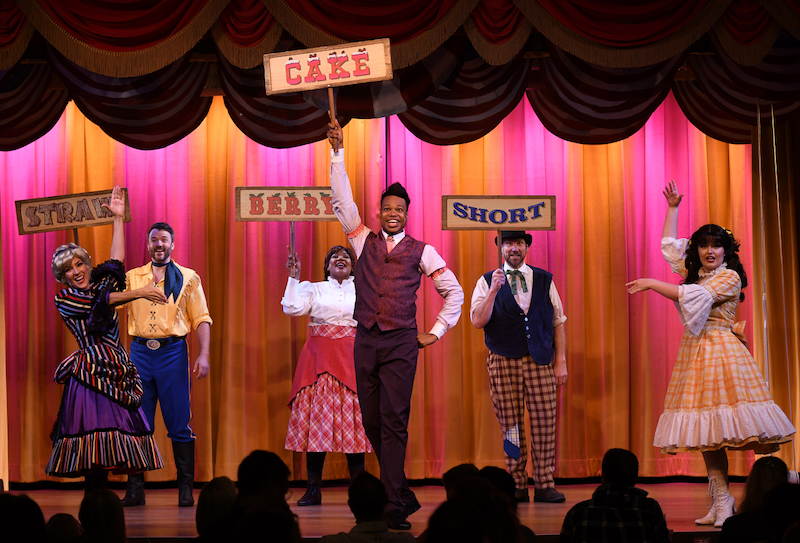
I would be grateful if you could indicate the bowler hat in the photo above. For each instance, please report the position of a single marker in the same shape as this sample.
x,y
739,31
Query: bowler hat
x,y
514,234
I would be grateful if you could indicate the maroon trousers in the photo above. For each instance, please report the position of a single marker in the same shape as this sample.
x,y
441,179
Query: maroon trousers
x,y
386,363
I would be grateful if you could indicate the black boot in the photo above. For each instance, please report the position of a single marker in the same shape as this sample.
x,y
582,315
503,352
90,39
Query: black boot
x,y
313,495
184,461
134,495
355,463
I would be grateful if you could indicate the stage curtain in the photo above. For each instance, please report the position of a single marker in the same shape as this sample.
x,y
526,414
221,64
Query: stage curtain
x,y
620,350
497,30
124,38
245,32
776,268
15,33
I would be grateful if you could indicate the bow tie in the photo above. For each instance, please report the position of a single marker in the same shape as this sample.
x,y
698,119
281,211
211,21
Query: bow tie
x,y
513,284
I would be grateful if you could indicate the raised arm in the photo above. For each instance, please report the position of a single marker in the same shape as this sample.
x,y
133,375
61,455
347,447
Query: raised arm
x,y
344,206
670,192
117,208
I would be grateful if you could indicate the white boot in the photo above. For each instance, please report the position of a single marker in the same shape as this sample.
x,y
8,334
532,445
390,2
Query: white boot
x,y
722,503
711,516
726,506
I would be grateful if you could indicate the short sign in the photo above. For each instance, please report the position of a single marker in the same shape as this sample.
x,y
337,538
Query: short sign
x,y
328,66
498,212
284,204
66,212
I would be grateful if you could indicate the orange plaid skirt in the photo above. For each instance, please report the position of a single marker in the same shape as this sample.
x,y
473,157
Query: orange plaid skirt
x,y
717,398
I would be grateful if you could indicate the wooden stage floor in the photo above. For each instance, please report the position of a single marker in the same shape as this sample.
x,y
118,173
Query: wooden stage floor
x,y
162,519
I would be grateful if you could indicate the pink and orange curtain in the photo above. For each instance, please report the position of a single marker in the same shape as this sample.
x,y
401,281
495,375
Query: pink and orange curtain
x,y
609,212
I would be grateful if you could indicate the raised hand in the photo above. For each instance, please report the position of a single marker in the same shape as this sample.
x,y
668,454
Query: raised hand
x,y
117,204
638,285
334,134
670,192
293,265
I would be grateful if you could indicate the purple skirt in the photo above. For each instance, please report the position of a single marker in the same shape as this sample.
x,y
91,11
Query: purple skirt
x,y
94,432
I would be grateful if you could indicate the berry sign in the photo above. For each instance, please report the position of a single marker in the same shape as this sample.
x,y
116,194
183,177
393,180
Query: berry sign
x,y
328,66
284,204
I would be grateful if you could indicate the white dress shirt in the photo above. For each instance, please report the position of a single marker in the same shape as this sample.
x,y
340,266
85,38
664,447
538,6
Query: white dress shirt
x,y
325,302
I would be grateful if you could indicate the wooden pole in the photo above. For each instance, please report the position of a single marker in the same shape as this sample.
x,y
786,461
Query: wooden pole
x,y
499,250
291,237
332,114
75,235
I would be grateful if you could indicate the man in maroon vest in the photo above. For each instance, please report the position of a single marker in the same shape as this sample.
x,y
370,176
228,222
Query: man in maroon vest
x,y
389,272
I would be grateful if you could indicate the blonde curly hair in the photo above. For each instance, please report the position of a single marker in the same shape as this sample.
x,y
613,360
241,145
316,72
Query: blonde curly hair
x,y
62,260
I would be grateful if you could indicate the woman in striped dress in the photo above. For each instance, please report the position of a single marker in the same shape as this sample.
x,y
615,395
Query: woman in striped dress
x,y
717,398
326,413
100,424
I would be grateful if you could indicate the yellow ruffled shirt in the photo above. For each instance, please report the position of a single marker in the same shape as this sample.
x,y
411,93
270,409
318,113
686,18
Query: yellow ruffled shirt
x,y
151,320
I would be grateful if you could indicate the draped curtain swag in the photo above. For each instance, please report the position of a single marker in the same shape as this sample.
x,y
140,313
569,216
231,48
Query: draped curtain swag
x,y
597,72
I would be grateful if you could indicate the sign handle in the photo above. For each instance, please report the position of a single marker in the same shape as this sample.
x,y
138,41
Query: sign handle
x,y
332,114
499,244
75,235
291,237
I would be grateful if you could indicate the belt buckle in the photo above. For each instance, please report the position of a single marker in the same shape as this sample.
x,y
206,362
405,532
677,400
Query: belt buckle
x,y
153,344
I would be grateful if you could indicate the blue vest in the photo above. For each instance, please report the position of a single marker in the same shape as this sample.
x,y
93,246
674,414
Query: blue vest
x,y
512,333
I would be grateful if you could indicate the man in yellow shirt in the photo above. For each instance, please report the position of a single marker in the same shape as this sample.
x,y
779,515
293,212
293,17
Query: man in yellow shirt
x,y
159,351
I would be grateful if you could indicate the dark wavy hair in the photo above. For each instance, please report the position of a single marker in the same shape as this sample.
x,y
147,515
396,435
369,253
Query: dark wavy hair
x,y
712,234
767,473
335,249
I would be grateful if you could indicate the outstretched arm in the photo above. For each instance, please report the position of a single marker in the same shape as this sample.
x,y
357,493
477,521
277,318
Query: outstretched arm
x,y
149,291
117,208
670,229
668,290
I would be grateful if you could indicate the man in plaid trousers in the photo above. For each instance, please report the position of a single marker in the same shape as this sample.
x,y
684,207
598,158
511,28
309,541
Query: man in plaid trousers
x,y
522,317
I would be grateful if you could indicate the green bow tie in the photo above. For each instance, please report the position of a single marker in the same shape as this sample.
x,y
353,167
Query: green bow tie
x,y
513,284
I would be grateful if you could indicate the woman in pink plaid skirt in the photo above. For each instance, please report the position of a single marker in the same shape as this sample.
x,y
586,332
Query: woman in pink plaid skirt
x,y
717,398
326,414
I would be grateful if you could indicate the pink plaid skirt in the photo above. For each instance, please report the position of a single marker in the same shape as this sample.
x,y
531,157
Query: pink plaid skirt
x,y
326,417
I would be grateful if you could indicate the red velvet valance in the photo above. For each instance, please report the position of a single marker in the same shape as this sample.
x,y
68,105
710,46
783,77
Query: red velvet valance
x,y
459,64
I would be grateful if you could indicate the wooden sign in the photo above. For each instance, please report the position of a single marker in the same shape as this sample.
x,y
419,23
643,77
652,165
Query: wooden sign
x,y
66,212
284,204
328,66
498,212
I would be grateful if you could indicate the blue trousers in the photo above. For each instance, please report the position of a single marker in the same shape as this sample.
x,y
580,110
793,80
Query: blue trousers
x,y
166,378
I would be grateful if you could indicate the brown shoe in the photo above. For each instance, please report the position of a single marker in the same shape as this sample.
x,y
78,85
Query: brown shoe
x,y
548,495
521,495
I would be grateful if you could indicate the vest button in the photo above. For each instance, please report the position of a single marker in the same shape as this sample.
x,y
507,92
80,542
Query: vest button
x,y
526,319
529,337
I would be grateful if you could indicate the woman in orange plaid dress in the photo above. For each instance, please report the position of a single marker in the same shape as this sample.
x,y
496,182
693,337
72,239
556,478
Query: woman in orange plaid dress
x,y
326,413
717,398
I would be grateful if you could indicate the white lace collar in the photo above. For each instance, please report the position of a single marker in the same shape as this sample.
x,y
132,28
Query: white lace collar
x,y
703,273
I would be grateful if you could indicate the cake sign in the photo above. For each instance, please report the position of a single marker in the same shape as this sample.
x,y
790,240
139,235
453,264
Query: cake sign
x,y
328,66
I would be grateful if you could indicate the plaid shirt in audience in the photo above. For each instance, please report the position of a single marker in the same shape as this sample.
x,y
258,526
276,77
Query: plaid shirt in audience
x,y
619,515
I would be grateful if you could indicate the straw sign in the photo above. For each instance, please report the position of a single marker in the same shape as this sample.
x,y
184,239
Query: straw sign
x,y
66,212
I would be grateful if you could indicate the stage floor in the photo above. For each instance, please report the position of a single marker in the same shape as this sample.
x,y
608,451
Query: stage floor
x,y
162,518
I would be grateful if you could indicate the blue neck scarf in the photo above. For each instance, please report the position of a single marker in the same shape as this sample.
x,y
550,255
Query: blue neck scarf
x,y
173,280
